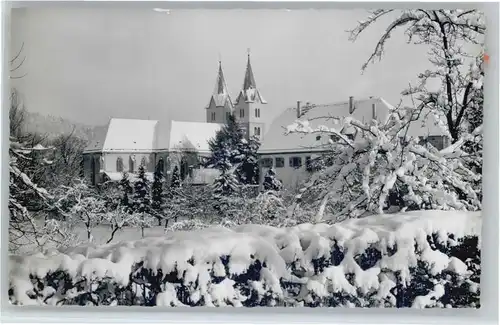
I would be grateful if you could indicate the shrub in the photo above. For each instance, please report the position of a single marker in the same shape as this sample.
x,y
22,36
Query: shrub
x,y
419,260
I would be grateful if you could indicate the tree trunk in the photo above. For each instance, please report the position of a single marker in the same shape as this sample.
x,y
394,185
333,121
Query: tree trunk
x,y
142,226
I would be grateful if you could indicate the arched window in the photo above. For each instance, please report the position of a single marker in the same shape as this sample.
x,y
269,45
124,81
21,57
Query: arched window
x,y
160,166
131,163
119,164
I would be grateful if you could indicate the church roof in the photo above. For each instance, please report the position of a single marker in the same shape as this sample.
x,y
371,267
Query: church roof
x,y
192,135
275,139
130,135
220,95
133,135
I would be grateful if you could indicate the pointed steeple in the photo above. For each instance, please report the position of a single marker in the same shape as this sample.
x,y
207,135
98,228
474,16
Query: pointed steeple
x,y
249,81
249,93
220,95
220,84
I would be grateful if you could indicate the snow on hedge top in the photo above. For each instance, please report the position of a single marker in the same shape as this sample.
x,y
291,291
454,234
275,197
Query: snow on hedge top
x,y
197,254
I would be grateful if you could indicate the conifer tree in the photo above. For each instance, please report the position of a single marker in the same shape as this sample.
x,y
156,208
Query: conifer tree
x,y
142,197
271,183
176,178
232,153
157,199
226,147
127,190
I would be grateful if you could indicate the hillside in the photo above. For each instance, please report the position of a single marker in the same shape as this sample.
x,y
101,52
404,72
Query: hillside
x,y
53,126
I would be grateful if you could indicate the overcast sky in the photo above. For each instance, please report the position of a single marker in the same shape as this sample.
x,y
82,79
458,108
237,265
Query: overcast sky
x,y
92,64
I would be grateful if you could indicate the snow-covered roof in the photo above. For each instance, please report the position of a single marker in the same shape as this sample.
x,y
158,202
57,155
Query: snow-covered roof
x,y
192,135
130,135
275,140
251,95
96,143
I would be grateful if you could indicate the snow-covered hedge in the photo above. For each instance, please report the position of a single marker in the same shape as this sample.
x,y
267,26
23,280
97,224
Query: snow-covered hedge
x,y
416,259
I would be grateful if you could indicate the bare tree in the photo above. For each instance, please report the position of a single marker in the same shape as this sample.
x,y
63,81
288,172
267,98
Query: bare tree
x,y
447,33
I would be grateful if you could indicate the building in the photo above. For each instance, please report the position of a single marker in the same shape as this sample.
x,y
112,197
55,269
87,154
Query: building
x,y
126,144
185,144
291,154
249,107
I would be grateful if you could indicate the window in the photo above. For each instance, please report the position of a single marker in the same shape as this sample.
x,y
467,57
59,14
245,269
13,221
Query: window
x,y
143,162
295,162
213,116
280,162
318,137
350,136
437,142
227,116
119,164
266,162
242,113
131,161
257,112
256,131
334,137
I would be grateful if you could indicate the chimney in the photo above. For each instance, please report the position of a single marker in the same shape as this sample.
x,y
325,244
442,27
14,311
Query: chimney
x,y
298,109
374,111
351,104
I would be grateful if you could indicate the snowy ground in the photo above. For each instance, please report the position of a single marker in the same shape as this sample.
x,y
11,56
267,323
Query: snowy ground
x,y
100,236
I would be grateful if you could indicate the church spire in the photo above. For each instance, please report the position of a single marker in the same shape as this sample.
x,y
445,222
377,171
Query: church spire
x,y
249,93
249,81
220,85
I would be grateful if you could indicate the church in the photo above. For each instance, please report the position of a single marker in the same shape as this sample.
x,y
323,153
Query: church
x,y
184,144
178,143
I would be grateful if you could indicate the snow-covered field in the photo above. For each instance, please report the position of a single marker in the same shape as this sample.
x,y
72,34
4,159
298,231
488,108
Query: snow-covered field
x,y
415,259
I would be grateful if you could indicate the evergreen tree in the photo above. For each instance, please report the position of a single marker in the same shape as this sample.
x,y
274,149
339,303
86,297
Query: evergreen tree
x,y
157,199
176,178
126,191
226,147
142,200
231,152
248,170
271,183
226,184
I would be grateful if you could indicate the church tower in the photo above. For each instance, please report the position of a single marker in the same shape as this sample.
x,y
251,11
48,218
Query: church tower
x,y
249,105
220,105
